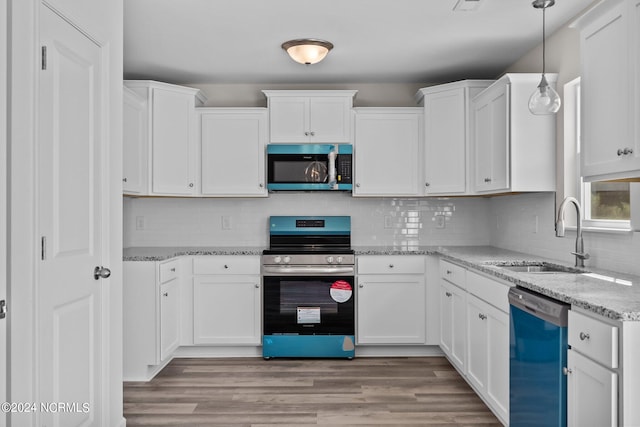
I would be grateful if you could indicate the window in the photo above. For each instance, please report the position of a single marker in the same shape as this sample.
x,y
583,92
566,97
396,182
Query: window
x,y
606,204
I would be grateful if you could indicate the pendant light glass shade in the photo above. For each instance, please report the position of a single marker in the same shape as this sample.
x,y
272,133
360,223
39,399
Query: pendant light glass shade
x,y
307,51
544,100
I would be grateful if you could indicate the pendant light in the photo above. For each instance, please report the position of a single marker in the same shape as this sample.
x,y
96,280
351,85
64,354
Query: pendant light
x,y
544,100
307,51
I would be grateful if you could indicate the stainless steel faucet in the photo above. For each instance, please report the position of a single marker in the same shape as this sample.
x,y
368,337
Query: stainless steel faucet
x,y
580,254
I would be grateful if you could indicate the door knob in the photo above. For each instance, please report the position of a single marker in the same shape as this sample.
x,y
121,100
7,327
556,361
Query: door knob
x,y
101,273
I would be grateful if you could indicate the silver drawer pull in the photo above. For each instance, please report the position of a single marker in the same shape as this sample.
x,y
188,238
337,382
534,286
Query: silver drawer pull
x,y
584,336
166,294
390,265
448,294
567,371
482,316
173,269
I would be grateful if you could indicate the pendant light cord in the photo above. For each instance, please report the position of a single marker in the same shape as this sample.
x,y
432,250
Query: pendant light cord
x,y
544,9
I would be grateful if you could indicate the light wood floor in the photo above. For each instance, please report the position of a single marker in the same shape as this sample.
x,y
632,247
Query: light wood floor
x,y
252,392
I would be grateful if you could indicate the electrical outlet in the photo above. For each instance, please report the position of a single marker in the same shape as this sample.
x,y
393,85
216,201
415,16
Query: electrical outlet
x,y
226,222
440,221
139,223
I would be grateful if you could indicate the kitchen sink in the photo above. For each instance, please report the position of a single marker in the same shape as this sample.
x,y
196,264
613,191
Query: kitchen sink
x,y
541,267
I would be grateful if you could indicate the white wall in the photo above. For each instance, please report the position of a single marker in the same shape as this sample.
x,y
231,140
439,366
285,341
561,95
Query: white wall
x,y
393,222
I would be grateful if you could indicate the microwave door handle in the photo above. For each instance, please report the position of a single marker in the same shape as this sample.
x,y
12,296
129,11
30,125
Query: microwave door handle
x,y
333,154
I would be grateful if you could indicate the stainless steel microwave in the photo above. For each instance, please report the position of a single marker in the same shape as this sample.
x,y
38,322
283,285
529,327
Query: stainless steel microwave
x,y
305,167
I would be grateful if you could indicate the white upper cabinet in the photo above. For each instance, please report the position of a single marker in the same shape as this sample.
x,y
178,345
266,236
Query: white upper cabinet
x,y
387,150
233,149
171,130
134,143
514,150
314,116
448,134
610,90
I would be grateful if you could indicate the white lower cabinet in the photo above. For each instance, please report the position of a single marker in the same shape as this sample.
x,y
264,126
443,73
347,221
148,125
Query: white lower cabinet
x,y
453,314
592,374
474,326
151,298
391,300
488,351
226,300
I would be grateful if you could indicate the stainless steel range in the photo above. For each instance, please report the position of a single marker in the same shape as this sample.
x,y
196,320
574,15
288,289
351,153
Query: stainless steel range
x,y
308,281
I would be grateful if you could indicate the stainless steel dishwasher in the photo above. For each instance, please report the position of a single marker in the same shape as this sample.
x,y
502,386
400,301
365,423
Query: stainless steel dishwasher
x,y
538,354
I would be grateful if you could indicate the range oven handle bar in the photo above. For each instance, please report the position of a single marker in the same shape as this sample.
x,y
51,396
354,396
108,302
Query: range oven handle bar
x,y
307,270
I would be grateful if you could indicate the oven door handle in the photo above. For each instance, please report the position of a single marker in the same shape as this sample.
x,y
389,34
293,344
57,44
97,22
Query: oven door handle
x,y
306,271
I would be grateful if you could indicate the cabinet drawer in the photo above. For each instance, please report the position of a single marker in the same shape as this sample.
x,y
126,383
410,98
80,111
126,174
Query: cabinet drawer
x,y
594,338
226,264
489,290
169,270
453,273
398,264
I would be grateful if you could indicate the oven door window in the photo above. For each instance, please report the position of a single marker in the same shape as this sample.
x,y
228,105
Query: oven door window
x,y
308,305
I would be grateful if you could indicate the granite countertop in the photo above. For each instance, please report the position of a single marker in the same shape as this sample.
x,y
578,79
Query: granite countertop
x,y
166,252
610,294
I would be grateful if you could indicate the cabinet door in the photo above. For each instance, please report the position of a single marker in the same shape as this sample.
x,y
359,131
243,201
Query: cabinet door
x,y
134,143
491,149
609,48
330,119
233,150
391,309
477,345
488,350
169,318
387,153
289,119
453,324
592,393
445,142
226,310
173,151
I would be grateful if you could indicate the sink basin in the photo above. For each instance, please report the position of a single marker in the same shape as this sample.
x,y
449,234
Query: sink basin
x,y
541,267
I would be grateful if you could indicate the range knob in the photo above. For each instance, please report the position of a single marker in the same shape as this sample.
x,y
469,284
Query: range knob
x,y
287,259
277,259
339,260
330,259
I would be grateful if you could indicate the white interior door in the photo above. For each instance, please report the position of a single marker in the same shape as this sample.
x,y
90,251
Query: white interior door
x,y
70,203
3,208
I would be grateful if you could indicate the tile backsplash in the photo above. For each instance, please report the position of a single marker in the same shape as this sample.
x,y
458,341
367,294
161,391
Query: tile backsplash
x,y
518,222
393,222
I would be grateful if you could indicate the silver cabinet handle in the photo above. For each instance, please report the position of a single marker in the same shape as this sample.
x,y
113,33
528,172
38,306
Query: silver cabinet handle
x,y
584,336
101,272
124,179
390,265
361,285
449,272
313,133
3,309
482,316
306,134
173,269
166,294
257,286
487,180
448,294
567,371
261,185
358,185
426,184
625,151
226,266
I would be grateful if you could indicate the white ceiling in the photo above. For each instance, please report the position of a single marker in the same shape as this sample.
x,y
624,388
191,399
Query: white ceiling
x,y
381,41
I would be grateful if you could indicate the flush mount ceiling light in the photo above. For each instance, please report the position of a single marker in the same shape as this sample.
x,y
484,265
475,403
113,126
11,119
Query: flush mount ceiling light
x,y
544,100
307,51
